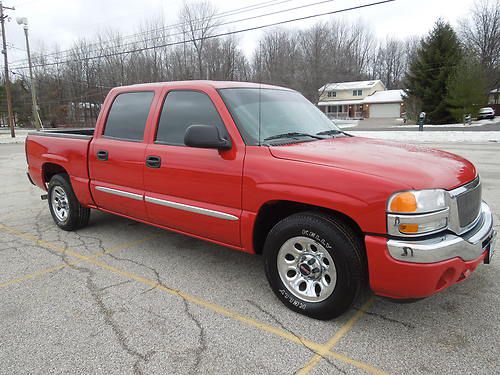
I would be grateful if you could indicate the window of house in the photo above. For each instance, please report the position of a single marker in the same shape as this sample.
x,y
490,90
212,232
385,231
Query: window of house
x,y
182,109
357,92
332,94
127,116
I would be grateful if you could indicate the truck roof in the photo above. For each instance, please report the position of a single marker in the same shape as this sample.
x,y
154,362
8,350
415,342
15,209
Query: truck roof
x,y
203,84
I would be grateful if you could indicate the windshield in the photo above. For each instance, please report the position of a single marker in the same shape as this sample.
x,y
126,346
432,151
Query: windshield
x,y
281,113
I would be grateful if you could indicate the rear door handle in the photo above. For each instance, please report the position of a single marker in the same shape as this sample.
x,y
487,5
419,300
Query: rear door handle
x,y
153,162
102,155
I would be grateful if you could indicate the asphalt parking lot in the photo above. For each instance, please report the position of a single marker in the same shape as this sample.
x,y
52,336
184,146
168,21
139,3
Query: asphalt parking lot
x,y
123,297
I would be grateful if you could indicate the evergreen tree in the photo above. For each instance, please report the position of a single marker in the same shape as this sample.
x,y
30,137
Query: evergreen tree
x,y
430,70
466,89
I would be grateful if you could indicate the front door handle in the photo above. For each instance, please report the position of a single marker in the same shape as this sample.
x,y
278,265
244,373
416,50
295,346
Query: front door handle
x,y
102,155
153,162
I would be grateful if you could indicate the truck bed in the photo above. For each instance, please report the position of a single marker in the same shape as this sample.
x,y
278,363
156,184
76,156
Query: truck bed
x,y
87,133
60,151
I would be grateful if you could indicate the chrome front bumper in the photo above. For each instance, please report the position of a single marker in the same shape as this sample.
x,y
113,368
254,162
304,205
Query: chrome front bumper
x,y
468,246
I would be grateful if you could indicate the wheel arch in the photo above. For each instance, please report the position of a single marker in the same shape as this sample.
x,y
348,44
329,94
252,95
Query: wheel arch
x,y
49,170
271,212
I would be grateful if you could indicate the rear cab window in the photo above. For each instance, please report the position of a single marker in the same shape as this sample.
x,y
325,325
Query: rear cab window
x,y
181,109
128,115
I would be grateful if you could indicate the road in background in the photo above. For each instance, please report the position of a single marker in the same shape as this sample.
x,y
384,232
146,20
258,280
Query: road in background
x,y
382,124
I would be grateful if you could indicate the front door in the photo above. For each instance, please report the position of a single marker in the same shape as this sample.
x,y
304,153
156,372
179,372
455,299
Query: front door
x,y
116,158
194,190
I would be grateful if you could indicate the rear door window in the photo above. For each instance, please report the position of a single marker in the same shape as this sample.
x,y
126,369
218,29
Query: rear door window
x,y
182,109
128,114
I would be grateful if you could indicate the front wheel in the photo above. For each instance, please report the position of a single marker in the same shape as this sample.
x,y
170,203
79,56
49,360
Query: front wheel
x,y
314,264
65,208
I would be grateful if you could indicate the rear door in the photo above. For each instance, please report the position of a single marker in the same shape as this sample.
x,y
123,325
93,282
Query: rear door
x,y
194,190
116,156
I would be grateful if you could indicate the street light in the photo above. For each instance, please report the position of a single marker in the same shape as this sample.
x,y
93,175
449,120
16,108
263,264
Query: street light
x,y
36,117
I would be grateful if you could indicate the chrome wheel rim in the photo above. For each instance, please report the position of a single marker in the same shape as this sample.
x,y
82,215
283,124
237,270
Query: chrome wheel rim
x,y
60,204
307,269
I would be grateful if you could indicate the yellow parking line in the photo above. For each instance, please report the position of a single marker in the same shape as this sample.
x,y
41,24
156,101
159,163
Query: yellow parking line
x,y
314,346
48,270
30,276
359,364
335,339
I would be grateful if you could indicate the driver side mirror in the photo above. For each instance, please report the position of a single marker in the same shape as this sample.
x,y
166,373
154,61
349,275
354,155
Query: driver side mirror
x,y
205,136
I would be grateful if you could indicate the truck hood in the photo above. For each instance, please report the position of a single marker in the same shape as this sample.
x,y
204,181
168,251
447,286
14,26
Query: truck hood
x,y
412,166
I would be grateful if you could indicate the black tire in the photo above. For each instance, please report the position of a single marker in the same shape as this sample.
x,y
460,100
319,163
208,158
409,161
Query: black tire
x,y
77,216
345,248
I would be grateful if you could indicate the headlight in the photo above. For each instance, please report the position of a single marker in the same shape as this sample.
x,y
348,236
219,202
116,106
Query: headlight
x,y
414,213
421,201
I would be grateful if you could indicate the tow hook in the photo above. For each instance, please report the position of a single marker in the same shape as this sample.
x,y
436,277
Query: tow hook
x,y
44,197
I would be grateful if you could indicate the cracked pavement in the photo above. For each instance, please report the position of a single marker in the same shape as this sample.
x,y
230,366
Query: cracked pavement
x,y
79,318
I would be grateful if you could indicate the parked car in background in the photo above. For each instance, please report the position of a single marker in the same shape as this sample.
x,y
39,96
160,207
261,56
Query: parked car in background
x,y
486,113
260,169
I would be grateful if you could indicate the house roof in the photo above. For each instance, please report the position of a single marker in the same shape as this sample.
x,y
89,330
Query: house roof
x,y
387,96
494,91
342,102
350,85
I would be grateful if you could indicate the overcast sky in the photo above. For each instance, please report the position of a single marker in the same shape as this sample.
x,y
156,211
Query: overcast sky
x,y
61,22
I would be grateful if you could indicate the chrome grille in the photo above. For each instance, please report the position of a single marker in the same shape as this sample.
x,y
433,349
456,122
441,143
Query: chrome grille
x,y
469,203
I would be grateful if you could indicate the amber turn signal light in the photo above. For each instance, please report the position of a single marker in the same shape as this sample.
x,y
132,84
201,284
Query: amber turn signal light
x,y
404,202
408,228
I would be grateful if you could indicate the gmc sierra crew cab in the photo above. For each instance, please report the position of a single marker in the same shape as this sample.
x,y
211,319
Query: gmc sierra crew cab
x,y
260,169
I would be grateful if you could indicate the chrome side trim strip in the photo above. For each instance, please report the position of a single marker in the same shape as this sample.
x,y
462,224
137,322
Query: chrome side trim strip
x,y
186,207
121,193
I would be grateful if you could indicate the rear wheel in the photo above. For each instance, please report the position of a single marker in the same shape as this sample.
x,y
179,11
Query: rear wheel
x,y
314,264
65,208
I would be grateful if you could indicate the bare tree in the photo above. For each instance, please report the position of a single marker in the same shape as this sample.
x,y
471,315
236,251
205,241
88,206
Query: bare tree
x,y
277,58
389,63
316,59
480,32
198,21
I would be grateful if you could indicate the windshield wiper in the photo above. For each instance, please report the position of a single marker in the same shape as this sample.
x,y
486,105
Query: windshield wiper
x,y
330,132
291,135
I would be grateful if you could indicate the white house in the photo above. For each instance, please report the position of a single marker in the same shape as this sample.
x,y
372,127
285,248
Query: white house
x,y
360,99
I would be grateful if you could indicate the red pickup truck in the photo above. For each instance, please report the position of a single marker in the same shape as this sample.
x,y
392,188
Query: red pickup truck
x,y
260,169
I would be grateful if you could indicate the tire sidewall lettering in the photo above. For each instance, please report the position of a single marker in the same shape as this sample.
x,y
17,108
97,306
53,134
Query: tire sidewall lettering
x,y
291,299
315,236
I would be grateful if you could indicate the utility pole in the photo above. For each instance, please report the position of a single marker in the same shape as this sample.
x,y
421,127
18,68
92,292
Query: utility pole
x,y
6,63
34,106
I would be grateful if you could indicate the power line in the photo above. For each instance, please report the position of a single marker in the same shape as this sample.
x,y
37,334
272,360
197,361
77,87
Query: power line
x,y
233,12
234,21
213,36
83,83
229,22
221,24
12,46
